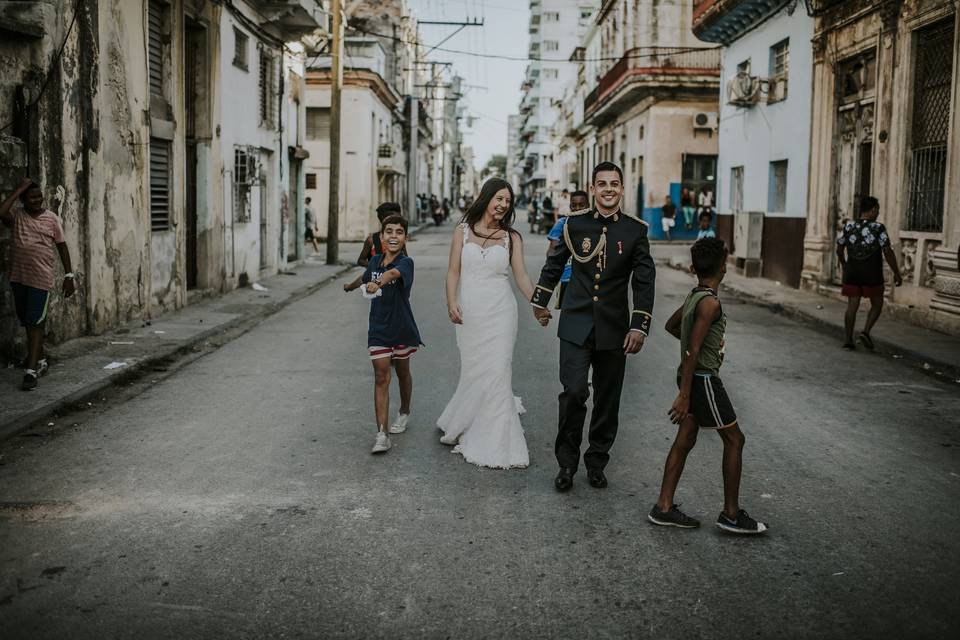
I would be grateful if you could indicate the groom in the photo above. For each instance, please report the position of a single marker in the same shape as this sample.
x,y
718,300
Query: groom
x,y
597,326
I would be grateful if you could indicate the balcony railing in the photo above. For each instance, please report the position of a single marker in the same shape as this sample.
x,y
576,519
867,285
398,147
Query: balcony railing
x,y
657,63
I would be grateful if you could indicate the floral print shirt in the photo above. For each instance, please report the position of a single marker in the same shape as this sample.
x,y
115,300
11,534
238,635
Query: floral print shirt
x,y
863,238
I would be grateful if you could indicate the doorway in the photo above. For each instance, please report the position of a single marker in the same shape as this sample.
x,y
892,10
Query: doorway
x,y
193,49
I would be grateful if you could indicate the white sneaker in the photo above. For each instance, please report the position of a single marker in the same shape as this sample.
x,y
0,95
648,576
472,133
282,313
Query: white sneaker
x,y
42,367
400,424
382,443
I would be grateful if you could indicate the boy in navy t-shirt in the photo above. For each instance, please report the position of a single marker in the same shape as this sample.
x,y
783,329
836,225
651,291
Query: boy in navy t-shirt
x,y
392,336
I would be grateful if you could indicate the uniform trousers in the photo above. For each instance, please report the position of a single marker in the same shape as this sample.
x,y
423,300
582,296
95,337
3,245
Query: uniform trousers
x,y
608,368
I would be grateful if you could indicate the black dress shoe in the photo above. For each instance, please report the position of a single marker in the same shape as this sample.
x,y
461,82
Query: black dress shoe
x,y
564,479
597,479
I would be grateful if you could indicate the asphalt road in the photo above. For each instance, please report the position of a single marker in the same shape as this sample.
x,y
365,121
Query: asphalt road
x,y
237,497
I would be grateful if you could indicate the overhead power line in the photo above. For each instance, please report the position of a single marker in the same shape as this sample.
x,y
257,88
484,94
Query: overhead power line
x,y
499,56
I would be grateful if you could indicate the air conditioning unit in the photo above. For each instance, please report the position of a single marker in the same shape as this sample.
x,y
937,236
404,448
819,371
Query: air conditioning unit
x,y
705,120
748,234
743,90
776,89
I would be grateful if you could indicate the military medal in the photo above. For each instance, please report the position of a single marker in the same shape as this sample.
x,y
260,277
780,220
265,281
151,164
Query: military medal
x,y
620,247
585,246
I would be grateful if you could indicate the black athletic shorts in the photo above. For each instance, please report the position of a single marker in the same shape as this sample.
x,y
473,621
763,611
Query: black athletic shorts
x,y
709,404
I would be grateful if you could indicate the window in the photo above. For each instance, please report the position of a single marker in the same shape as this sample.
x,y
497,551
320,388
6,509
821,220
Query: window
x,y
933,69
243,176
858,76
318,123
550,74
159,184
551,45
268,88
736,189
586,14
156,35
240,49
551,16
777,193
311,179
779,70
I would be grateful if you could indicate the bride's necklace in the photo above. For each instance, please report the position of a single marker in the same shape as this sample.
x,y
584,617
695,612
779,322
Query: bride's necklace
x,y
487,234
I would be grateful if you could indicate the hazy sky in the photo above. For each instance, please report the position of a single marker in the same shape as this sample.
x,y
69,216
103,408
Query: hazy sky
x,y
495,90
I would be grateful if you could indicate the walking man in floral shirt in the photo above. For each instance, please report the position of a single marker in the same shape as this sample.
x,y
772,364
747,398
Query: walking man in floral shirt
x,y
861,247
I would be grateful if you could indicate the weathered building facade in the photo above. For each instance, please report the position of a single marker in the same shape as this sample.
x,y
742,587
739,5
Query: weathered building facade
x,y
649,90
764,130
885,94
129,114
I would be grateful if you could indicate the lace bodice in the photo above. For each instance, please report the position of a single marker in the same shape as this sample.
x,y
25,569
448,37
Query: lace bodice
x,y
484,262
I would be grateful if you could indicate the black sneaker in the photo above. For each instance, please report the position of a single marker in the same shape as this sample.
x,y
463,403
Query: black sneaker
x,y
743,523
849,346
672,518
866,340
29,382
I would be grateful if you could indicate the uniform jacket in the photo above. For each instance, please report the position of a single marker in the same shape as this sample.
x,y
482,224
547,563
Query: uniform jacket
x,y
617,252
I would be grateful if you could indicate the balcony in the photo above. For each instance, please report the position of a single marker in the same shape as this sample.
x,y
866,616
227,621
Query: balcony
x,y
644,70
291,19
723,21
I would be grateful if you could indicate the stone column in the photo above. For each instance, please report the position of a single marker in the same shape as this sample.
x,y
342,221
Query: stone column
x,y
946,258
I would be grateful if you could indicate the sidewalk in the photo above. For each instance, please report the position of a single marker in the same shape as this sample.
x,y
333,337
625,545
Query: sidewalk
x,y
931,351
83,368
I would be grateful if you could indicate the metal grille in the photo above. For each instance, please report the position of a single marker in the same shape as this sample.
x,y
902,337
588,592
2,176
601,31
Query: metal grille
x,y
268,88
155,30
241,184
318,123
931,124
159,184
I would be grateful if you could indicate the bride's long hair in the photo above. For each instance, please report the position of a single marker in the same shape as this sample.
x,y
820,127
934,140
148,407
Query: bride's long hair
x,y
475,212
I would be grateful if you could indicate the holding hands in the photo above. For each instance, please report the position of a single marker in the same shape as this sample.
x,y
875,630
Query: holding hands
x,y
543,316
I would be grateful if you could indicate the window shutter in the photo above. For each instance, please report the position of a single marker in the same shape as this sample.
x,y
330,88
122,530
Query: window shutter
x,y
159,184
155,46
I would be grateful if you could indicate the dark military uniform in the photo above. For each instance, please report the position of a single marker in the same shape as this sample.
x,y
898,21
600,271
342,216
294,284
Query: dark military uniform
x,y
608,252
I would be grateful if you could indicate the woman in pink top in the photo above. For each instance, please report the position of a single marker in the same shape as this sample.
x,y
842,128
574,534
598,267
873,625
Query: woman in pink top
x,y
36,231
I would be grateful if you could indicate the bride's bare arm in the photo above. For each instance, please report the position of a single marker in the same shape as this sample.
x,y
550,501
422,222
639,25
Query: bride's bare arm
x,y
453,276
519,268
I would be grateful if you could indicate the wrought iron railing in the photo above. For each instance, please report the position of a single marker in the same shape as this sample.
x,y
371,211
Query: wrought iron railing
x,y
657,61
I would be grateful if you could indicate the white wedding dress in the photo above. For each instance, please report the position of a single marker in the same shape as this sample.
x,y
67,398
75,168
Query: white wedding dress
x,y
483,417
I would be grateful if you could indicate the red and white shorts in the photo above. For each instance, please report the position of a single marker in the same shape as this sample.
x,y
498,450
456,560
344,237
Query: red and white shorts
x,y
399,352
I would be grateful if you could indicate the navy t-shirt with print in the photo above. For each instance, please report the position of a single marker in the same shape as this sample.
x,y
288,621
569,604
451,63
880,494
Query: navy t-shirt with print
x,y
391,318
865,241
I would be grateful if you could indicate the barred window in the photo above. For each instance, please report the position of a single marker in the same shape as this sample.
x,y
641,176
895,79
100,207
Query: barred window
x,y
268,88
933,70
243,174
311,180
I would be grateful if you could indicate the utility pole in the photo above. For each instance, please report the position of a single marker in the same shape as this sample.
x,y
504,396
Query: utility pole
x,y
336,80
413,159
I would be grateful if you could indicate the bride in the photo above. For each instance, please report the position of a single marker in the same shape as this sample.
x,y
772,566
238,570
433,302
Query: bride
x,y
482,419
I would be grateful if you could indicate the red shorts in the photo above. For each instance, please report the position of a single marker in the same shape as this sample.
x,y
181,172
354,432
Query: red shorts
x,y
398,352
862,291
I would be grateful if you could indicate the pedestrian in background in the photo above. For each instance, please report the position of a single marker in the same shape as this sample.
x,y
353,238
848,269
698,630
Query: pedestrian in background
x,y
702,401
392,333
310,233
687,207
668,217
705,221
861,247
578,202
36,233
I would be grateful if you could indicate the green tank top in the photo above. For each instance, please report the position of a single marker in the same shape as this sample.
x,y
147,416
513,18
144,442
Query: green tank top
x,y
711,351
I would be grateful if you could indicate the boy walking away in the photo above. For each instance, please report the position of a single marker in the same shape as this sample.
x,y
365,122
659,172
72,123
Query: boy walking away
x,y
392,337
669,215
374,244
859,249
310,233
702,402
36,231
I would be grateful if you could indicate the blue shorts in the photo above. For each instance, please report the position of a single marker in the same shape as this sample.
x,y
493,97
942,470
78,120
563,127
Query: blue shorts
x,y
31,304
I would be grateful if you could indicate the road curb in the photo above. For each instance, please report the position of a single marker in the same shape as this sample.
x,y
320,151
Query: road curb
x,y
162,356
939,369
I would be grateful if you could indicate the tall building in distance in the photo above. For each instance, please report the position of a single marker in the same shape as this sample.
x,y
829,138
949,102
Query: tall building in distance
x,y
556,28
514,159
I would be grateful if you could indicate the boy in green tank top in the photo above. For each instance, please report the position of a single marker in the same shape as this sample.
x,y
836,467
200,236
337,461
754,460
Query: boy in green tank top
x,y
702,402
